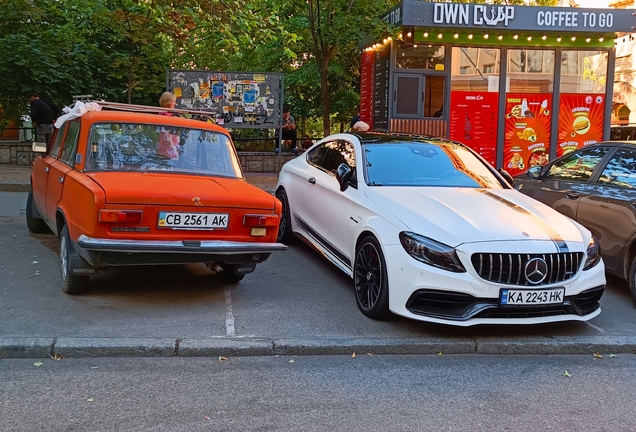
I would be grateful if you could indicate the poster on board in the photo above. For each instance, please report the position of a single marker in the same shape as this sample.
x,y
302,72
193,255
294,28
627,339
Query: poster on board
x,y
233,99
473,121
527,131
580,121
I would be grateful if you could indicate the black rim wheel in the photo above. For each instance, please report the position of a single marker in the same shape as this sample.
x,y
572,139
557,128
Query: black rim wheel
x,y
368,275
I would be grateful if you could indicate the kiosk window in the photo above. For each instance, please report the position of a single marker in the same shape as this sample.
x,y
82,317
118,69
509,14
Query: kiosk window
x,y
420,57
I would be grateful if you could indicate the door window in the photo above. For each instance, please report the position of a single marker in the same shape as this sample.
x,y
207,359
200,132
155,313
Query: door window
x,y
620,170
59,137
578,166
338,152
70,143
316,155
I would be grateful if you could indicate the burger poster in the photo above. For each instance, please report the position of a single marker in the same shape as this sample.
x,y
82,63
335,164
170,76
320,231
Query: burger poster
x,y
580,121
527,131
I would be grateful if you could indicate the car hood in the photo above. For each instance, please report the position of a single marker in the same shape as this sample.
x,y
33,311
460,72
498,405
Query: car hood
x,y
180,190
465,215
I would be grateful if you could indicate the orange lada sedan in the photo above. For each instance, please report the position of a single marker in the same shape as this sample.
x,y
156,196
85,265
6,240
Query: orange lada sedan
x,y
132,188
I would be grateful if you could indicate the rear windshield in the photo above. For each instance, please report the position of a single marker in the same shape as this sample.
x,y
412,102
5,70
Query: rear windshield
x,y
148,147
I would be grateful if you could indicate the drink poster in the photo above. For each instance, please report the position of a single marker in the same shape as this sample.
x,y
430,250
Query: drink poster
x,y
473,121
580,121
527,131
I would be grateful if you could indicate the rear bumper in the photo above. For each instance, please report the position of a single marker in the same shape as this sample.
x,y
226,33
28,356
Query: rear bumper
x,y
103,252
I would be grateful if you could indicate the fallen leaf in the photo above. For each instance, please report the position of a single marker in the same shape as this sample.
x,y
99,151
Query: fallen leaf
x,y
566,374
89,400
440,354
353,355
597,355
221,358
370,354
291,361
206,417
38,364
57,357
612,355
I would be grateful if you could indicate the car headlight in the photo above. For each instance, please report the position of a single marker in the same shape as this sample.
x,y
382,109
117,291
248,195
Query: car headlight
x,y
431,252
593,254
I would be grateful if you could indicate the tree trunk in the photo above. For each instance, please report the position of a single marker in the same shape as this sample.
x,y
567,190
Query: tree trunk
x,y
324,96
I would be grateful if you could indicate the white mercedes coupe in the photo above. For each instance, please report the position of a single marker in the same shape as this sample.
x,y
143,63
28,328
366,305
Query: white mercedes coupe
x,y
428,230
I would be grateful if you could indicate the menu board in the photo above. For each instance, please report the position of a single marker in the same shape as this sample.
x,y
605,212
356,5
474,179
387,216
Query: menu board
x,y
473,121
381,89
580,121
366,88
527,131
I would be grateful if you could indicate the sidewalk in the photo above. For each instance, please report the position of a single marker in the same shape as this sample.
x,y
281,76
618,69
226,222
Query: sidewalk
x,y
16,178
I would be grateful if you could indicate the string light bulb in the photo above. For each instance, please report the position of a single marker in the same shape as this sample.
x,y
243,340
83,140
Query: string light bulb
x,y
470,36
485,35
385,40
529,38
439,36
573,38
559,39
588,40
601,39
389,38
500,37
456,35
544,37
515,37
425,34
408,34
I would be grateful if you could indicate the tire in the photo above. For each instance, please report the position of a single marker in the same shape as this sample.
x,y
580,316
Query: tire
x,y
285,234
369,271
228,275
632,278
35,224
71,284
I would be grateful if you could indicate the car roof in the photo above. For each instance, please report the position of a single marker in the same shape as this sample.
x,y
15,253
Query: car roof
x,y
396,137
148,118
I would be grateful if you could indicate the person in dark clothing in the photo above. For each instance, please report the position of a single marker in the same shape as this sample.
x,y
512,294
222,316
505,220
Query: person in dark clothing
x,y
43,114
289,131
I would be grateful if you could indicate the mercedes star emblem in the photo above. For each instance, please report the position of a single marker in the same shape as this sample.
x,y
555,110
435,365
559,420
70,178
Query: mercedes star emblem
x,y
536,271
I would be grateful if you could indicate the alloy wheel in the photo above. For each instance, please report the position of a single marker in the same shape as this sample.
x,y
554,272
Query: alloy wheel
x,y
368,275
64,258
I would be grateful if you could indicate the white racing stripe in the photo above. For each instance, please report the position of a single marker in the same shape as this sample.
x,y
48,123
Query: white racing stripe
x,y
229,317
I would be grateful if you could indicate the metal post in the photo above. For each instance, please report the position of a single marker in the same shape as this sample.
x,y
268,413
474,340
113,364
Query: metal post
x,y
280,121
448,64
501,108
556,104
609,93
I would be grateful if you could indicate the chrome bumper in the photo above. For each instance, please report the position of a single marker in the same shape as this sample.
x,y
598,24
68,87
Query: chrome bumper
x,y
215,247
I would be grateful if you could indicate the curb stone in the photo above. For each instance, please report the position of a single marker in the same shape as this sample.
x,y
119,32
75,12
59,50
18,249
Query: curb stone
x,y
114,347
15,187
26,347
236,347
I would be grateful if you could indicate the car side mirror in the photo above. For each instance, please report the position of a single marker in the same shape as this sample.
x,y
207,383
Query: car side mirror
x,y
506,175
38,147
343,175
535,172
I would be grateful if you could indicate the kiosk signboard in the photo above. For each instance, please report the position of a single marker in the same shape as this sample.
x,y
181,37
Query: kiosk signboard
x,y
581,120
381,71
366,88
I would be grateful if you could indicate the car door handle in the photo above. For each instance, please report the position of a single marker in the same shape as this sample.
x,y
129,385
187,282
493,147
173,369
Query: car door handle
x,y
60,179
572,195
46,169
311,180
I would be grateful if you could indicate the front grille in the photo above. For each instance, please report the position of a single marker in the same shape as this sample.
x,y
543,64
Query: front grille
x,y
510,268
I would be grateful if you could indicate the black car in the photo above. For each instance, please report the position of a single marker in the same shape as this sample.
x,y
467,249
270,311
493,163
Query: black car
x,y
596,186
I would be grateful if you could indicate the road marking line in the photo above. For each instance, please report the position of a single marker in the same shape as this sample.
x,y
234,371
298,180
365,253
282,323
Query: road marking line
x,y
602,330
229,317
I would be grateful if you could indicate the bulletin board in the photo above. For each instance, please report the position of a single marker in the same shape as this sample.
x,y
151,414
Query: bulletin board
x,y
233,99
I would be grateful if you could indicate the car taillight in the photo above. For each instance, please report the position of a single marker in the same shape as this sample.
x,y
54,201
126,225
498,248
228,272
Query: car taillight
x,y
260,220
120,216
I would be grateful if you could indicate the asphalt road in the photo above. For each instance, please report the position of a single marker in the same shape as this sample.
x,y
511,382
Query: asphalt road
x,y
294,295
323,393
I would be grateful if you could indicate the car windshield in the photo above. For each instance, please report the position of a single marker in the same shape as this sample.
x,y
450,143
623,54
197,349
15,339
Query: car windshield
x,y
435,163
151,147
